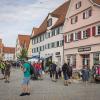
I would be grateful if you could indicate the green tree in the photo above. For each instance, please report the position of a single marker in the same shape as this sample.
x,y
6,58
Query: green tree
x,y
23,54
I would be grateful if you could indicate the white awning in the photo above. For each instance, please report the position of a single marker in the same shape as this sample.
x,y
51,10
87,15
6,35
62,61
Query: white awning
x,y
33,60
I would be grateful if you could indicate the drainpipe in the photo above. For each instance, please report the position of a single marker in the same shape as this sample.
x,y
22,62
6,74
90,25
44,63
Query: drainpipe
x,y
63,50
39,56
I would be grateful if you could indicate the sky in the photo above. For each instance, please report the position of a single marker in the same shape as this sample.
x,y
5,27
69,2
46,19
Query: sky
x,y
20,16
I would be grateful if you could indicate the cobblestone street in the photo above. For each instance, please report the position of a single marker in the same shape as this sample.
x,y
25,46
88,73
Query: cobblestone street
x,y
48,90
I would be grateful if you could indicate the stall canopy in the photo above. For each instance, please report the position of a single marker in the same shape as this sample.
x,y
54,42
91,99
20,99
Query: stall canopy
x,y
36,58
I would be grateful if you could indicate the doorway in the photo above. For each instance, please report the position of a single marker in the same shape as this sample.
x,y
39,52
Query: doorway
x,y
58,61
86,60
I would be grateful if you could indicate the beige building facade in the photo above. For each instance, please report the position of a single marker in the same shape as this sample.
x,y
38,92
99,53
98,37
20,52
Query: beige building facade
x,y
1,49
82,33
21,42
30,50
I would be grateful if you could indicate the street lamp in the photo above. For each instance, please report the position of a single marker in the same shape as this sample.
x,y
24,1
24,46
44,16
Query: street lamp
x,y
63,48
39,55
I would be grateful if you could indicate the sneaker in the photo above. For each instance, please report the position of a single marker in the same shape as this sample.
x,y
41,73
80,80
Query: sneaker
x,y
5,81
69,82
22,94
27,93
65,84
8,81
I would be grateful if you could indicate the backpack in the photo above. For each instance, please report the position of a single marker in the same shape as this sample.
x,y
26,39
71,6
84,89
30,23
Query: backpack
x,y
2,65
98,70
31,69
64,68
69,69
53,67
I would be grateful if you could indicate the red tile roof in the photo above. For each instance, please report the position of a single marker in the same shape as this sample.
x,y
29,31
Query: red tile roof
x,y
9,50
24,40
60,13
34,30
96,1
42,28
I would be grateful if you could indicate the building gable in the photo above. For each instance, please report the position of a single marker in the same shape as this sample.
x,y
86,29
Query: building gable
x,y
24,41
74,4
81,15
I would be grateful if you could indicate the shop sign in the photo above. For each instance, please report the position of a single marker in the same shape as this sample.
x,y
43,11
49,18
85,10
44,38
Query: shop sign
x,y
84,49
57,53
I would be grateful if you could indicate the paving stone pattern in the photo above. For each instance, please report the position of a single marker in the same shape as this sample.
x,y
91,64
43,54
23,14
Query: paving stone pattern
x,y
48,90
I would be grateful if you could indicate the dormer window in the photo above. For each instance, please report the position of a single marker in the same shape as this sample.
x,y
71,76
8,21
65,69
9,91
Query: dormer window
x,y
78,5
49,23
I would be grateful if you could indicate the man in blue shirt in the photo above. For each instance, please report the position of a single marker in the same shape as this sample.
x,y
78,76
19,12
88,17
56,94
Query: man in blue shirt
x,y
25,83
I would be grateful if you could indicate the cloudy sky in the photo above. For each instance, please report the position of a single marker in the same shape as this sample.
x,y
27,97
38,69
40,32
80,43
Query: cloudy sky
x,y
20,16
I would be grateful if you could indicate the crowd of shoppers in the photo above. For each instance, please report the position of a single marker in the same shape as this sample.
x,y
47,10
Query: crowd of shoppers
x,y
38,71
66,72
56,72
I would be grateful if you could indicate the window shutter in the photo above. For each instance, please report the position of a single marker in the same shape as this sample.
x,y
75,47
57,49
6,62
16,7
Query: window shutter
x,y
65,38
80,4
83,15
76,19
93,31
90,12
76,6
71,21
71,37
79,35
88,32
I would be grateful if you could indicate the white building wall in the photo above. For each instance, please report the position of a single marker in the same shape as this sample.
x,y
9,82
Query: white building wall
x,y
49,40
18,49
8,56
51,51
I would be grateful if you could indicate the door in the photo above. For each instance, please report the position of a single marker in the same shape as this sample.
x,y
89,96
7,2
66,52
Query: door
x,y
86,60
58,61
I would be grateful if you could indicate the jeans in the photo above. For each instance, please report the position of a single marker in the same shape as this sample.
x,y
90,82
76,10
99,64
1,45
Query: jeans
x,y
65,76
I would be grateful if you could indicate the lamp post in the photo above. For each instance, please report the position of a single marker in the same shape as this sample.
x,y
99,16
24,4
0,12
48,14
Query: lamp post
x,y
63,49
39,56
